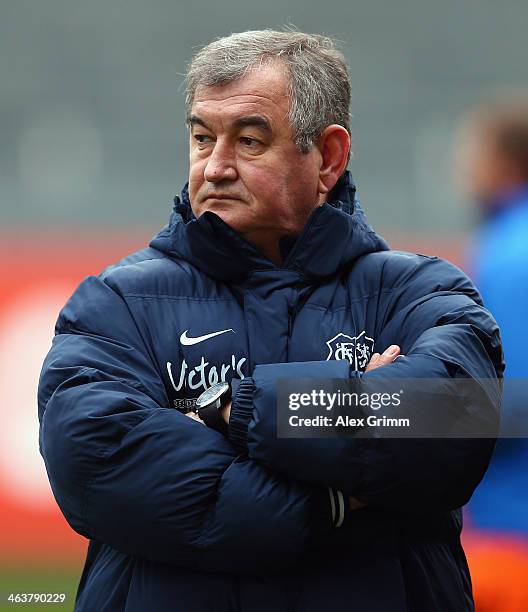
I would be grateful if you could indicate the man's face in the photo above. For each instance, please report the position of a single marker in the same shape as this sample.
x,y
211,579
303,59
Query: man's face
x,y
244,164
476,166
482,172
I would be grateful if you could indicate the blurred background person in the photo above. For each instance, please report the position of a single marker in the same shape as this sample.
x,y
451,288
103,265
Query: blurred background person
x,y
492,162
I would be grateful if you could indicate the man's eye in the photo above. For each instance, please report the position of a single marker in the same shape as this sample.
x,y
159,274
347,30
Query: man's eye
x,y
248,141
201,138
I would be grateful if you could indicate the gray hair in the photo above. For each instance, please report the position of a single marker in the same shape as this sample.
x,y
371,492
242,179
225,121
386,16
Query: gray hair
x,y
319,84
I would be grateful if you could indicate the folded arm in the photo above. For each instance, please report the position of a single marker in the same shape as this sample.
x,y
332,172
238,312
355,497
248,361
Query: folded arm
x,y
436,315
144,478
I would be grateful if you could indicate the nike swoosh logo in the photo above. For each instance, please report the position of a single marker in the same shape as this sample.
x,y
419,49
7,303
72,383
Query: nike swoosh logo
x,y
186,341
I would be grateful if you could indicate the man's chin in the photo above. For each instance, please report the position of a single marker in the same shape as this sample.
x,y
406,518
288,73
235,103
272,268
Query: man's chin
x,y
229,212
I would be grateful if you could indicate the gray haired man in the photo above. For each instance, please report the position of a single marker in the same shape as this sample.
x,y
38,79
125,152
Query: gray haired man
x,y
267,270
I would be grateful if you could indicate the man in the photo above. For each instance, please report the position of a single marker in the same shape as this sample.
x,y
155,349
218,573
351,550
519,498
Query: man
x,y
493,165
267,270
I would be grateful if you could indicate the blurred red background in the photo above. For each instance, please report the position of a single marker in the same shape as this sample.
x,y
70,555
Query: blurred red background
x,y
38,272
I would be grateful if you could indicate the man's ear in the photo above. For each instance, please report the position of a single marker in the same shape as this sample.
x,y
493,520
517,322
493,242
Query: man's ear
x,y
334,145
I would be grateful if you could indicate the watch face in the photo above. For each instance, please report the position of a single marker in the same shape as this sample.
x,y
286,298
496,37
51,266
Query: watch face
x,y
212,394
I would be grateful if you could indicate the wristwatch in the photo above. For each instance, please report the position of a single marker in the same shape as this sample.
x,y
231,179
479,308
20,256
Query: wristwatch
x,y
209,404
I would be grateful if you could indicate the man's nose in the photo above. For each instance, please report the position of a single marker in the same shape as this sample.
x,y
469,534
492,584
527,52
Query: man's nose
x,y
221,165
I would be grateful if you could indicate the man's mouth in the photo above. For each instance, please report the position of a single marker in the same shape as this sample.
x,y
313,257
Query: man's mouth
x,y
220,196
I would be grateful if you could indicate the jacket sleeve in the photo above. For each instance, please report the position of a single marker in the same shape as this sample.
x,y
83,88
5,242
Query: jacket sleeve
x,y
146,479
435,314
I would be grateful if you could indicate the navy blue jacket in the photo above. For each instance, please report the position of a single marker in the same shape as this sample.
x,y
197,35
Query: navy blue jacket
x,y
182,518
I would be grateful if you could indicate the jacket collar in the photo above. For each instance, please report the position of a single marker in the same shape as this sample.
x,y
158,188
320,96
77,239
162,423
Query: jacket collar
x,y
335,234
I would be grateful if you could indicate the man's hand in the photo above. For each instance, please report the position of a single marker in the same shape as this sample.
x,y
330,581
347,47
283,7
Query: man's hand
x,y
355,504
194,416
226,412
386,358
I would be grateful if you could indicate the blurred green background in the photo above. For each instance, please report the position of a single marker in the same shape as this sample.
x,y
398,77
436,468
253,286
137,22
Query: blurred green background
x,y
39,579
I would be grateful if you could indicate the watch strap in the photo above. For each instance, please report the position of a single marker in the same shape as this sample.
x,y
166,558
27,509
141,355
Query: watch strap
x,y
212,417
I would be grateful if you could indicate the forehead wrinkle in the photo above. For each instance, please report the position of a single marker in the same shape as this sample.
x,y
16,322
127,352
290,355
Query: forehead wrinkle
x,y
223,98
254,107
233,117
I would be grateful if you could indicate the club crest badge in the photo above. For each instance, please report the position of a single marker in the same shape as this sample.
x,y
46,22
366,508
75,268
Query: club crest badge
x,y
357,349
